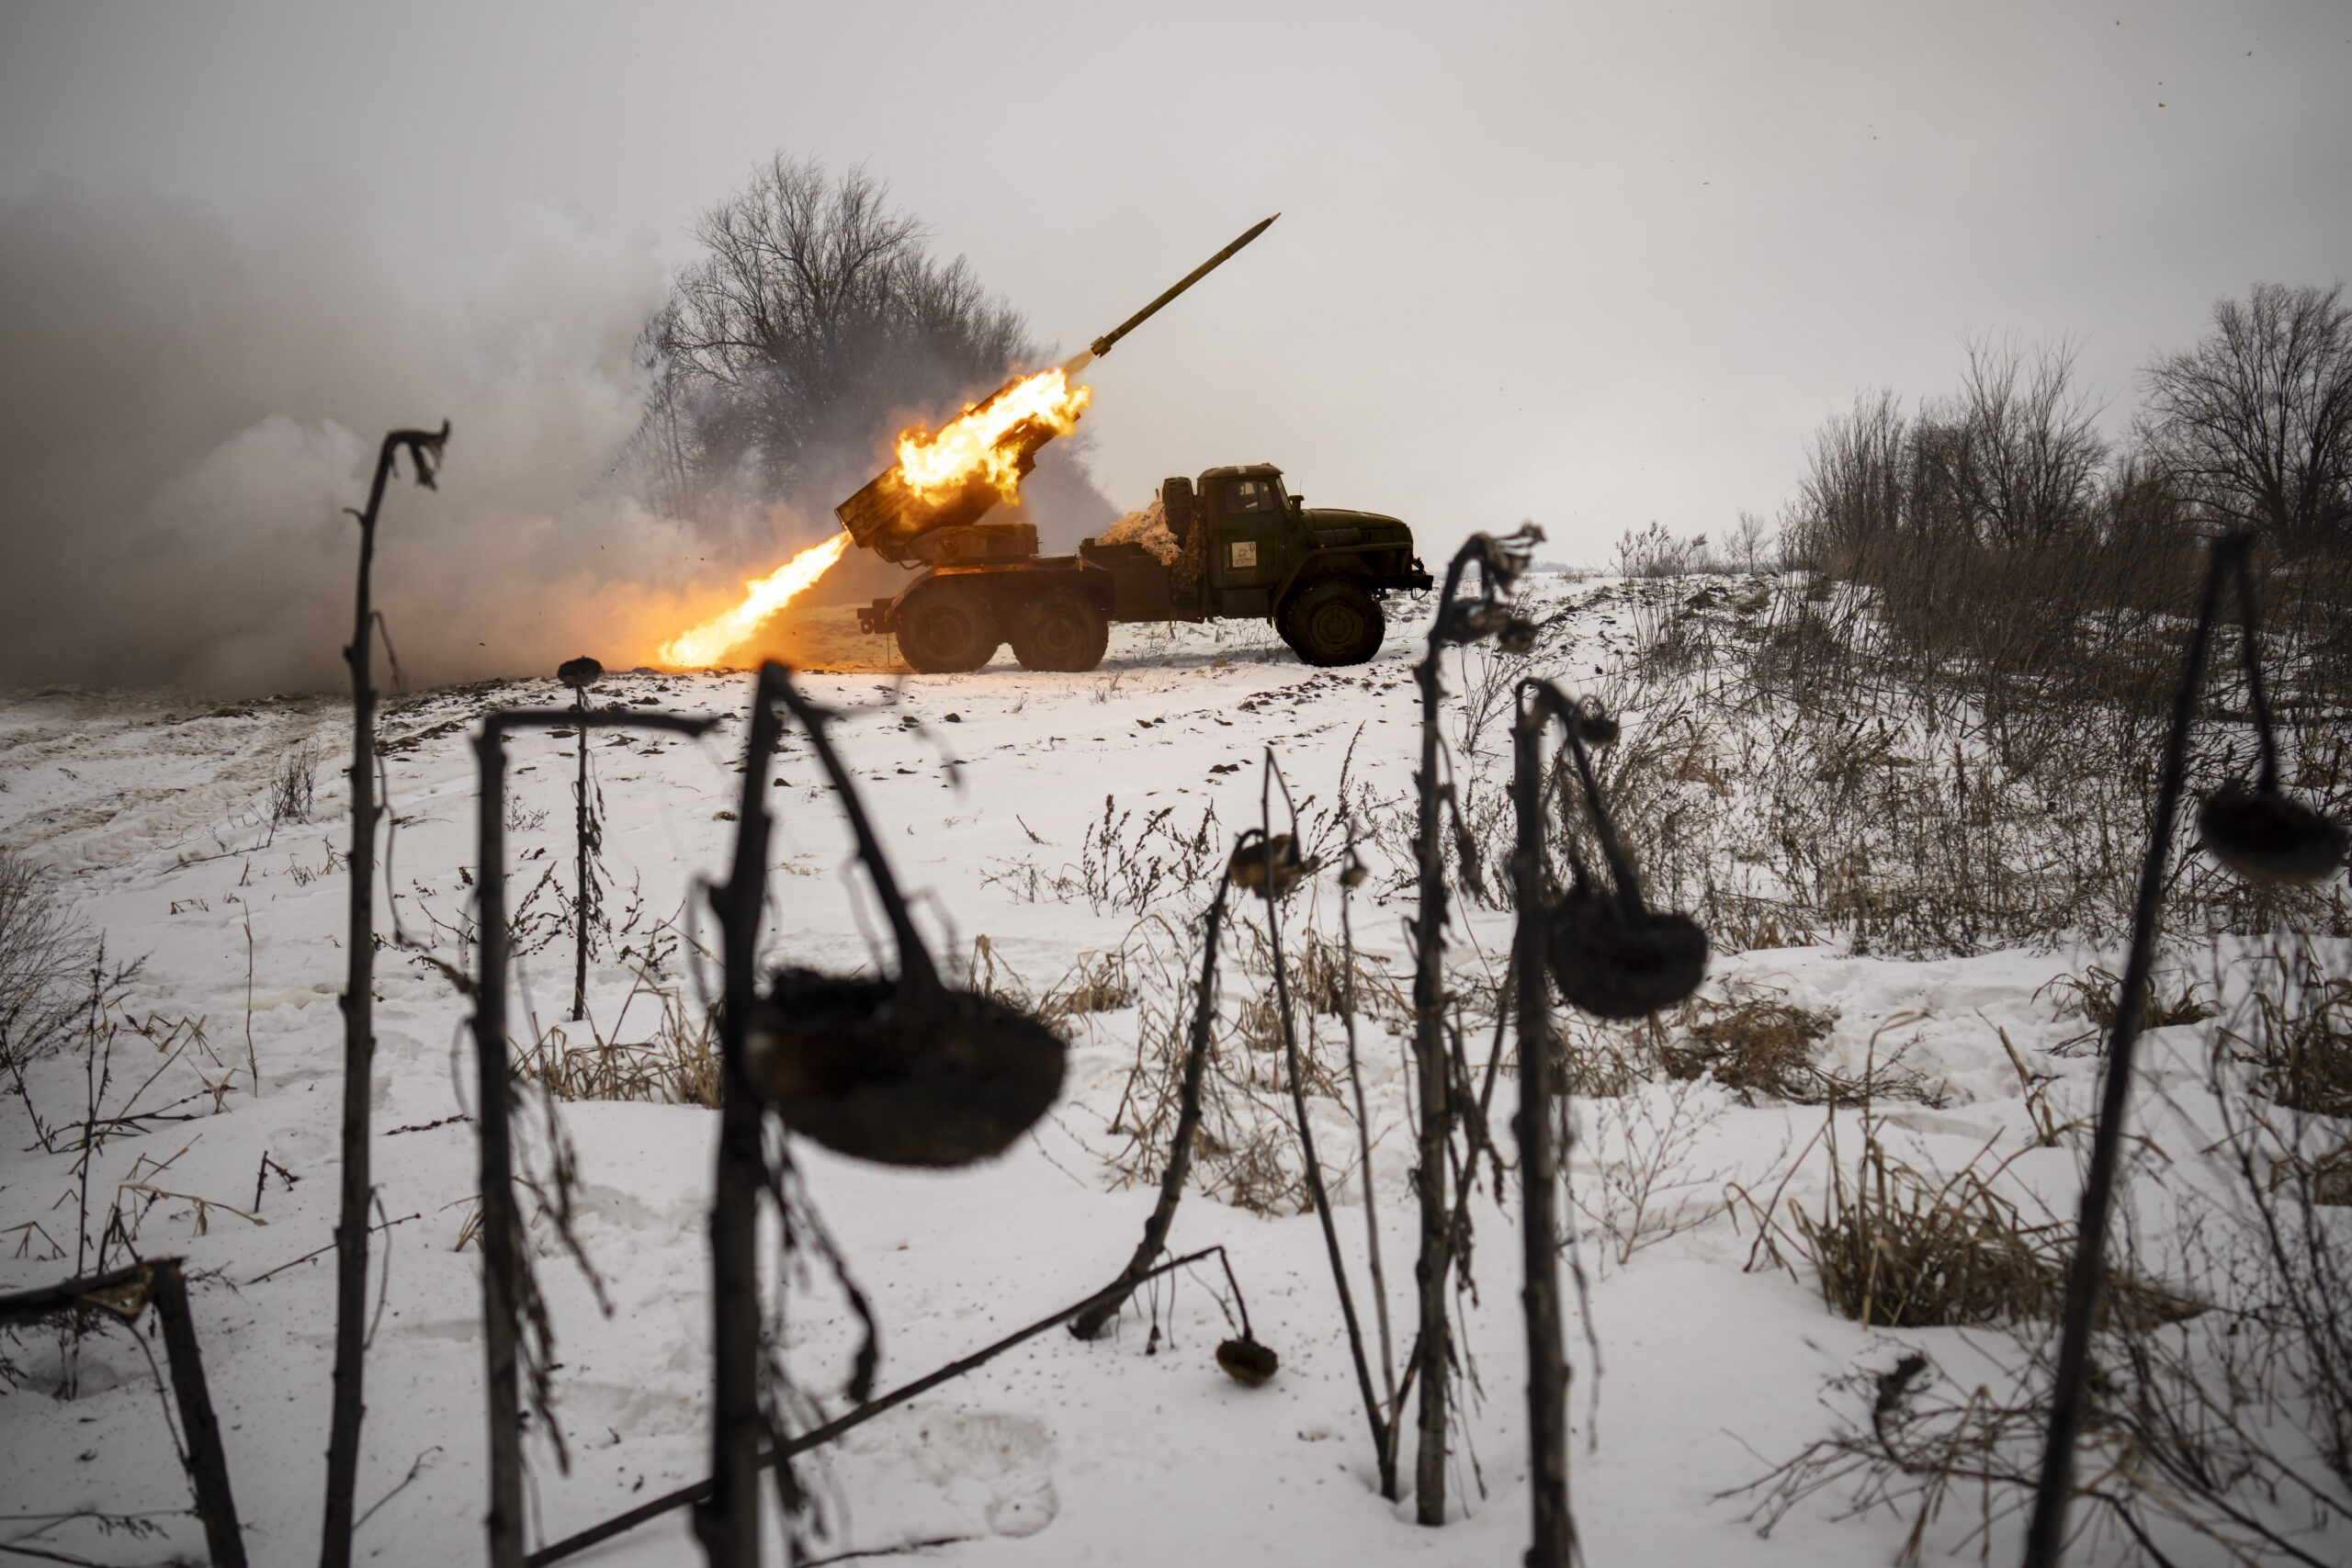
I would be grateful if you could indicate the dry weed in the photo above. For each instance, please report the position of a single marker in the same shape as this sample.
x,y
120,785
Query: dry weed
x,y
1637,1149
2300,1037
46,954
677,1065
2090,997
1096,982
1245,1152
1897,1249
1753,1045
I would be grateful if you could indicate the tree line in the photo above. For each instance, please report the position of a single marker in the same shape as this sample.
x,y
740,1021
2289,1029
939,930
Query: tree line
x,y
2004,537
2251,429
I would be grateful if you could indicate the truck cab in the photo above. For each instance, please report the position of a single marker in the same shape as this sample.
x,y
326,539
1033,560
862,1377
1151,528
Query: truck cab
x,y
1265,552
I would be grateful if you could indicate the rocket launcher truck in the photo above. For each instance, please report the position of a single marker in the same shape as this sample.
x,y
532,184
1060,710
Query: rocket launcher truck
x,y
1245,549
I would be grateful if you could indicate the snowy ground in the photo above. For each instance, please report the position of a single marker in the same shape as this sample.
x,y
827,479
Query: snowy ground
x,y
1059,1452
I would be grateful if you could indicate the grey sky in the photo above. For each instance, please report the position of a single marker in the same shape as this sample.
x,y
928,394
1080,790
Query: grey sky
x,y
1589,264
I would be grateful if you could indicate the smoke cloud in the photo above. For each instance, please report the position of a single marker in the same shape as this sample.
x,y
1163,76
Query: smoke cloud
x,y
186,404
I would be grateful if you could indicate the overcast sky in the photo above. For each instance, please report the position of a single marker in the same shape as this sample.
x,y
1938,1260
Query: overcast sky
x,y
1589,264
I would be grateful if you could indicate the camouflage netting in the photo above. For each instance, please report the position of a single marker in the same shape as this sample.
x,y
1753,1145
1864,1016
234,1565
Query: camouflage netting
x,y
1147,528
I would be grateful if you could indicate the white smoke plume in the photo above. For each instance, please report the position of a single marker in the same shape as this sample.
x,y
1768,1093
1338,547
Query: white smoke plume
x,y
188,404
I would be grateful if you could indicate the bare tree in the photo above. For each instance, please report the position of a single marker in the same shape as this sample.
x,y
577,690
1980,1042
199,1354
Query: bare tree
x,y
815,319
1749,545
1854,486
2256,421
2014,459
2034,454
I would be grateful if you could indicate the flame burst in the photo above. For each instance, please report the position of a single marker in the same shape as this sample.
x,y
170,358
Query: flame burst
x,y
762,597
987,440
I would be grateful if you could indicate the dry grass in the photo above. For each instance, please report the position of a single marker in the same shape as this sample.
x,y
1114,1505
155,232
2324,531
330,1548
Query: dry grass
x,y
1246,1152
2300,1042
1896,1249
1753,1045
677,1064
1125,861
2220,1423
1805,771
294,788
2091,996
1096,983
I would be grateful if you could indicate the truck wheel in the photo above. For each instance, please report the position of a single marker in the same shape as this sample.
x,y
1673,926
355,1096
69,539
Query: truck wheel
x,y
1060,631
944,630
1334,621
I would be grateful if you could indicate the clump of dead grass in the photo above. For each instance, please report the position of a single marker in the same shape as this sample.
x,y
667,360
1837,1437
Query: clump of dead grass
x,y
676,1063
2301,1038
1753,1045
1095,983
1894,1249
2091,996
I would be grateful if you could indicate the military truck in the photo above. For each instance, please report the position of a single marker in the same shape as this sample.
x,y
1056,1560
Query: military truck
x,y
1246,550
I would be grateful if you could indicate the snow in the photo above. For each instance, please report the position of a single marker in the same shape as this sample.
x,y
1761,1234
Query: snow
x,y
1115,1451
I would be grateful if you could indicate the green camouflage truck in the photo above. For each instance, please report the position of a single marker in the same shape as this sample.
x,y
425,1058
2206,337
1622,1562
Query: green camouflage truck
x,y
1245,549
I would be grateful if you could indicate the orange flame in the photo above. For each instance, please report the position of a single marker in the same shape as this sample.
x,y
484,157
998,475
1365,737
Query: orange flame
x,y
762,597
986,440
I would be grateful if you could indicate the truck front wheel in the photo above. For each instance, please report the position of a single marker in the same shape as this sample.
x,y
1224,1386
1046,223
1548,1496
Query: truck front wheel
x,y
1060,631
1334,621
944,630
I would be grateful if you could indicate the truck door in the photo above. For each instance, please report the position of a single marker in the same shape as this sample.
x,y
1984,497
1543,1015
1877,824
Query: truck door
x,y
1246,547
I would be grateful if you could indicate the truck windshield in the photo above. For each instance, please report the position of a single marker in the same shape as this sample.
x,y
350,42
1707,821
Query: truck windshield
x,y
1245,496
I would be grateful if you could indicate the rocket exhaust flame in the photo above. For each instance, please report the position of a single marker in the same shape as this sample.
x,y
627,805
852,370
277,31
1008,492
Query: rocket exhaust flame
x,y
989,440
989,444
762,597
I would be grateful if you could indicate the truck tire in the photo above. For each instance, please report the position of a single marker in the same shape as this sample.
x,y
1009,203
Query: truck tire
x,y
1332,622
946,630
1060,630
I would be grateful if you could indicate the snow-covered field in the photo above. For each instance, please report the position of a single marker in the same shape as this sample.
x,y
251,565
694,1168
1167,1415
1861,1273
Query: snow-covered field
x,y
154,814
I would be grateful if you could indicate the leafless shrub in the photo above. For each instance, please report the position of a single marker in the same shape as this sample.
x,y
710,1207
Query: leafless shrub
x,y
2009,600
1651,551
1604,1061
45,959
1125,861
1632,1175
293,788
